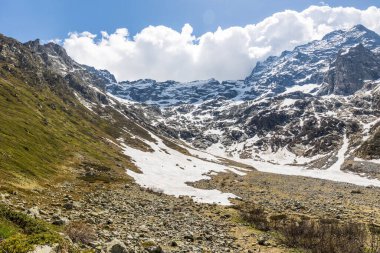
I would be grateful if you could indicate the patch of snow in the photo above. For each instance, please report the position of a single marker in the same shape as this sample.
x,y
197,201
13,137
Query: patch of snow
x,y
307,88
340,155
170,171
287,102
217,149
377,161
367,128
345,51
284,157
85,103
214,131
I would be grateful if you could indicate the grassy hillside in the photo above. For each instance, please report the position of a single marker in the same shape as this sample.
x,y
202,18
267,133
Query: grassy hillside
x,y
43,129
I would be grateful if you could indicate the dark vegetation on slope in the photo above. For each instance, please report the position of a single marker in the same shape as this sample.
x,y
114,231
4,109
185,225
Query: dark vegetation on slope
x,y
316,235
19,233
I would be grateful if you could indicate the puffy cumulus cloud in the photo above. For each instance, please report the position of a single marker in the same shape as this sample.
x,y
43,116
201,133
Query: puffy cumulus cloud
x,y
161,53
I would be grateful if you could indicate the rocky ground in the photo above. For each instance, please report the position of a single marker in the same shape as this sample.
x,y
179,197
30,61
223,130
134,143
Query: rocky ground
x,y
139,220
300,195
127,218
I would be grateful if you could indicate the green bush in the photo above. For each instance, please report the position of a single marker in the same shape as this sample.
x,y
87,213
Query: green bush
x,y
23,221
20,233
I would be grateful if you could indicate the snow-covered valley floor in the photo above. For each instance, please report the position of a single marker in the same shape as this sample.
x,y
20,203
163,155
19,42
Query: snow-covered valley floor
x,y
168,171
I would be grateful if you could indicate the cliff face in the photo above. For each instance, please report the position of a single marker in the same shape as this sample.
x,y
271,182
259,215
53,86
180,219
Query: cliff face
x,y
351,69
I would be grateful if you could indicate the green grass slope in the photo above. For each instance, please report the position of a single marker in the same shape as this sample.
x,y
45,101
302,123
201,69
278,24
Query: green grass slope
x,y
44,128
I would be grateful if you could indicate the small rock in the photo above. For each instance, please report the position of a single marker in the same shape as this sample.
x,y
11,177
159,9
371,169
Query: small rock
x,y
34,212
59,221
154,249
356,191
68,205
4,196
45,249
189,237
116,246
263,241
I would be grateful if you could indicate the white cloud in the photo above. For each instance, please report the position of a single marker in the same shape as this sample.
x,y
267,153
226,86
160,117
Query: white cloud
x,y
161,53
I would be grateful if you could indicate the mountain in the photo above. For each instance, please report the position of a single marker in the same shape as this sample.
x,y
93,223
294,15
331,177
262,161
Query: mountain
x,y
295,109
308,63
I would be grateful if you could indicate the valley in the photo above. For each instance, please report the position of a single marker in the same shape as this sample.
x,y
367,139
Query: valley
x,y
202,166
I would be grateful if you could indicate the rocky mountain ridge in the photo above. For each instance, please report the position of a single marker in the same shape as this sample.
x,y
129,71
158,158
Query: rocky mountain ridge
x,y
294,109
306,64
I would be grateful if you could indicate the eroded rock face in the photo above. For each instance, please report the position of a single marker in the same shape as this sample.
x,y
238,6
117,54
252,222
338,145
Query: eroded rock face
x,y
350,70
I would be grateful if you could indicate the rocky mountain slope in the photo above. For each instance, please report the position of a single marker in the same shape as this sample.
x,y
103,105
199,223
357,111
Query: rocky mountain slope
x,y
294,112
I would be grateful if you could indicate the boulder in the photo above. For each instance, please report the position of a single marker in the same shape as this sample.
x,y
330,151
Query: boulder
x,y
116,246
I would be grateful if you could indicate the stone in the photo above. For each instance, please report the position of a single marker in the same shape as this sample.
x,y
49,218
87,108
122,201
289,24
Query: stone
x,y
116,246
60,221
68,205
262,240
45,249
154,249
189,237
34,212
4,196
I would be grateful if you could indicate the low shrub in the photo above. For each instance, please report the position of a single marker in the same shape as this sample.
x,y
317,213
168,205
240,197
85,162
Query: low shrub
x,y
255,216
373,244
27,233
80,232
23,221
325,237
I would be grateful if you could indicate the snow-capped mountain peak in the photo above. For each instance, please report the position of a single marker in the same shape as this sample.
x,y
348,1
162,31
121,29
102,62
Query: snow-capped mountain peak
x,y
295,109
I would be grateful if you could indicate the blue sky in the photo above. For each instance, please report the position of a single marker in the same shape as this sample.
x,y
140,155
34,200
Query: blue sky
x,y
50,19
